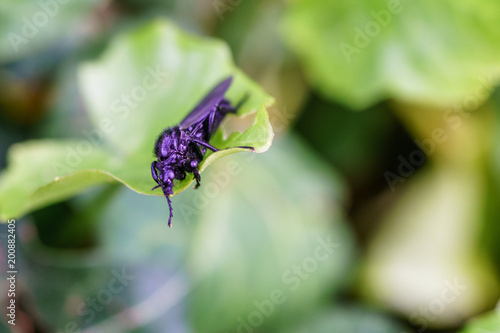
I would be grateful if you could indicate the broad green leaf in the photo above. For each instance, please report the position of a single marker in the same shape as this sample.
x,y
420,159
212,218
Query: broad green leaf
x,y
29,27
251,248
488,323
363,51
146,81
43,172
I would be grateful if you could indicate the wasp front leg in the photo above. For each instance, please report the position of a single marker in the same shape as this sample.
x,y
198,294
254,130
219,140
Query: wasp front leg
x,y
204,144
154,173
197,177
193,163
192,166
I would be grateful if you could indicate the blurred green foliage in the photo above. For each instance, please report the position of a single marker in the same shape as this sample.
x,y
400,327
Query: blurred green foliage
x,y
30,27
362,52
384,220
44,172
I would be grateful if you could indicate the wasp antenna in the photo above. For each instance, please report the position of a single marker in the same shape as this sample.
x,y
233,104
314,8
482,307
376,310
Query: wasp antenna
x,y
171,214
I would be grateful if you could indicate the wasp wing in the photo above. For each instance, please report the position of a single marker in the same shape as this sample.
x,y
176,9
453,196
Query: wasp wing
x,y
203,109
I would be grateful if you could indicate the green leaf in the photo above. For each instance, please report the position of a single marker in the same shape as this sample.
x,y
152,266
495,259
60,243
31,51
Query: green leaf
x,y
488,323
44,172
362,52
146,81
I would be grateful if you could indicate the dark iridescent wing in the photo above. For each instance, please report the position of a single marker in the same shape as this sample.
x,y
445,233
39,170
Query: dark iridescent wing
x,y
202,110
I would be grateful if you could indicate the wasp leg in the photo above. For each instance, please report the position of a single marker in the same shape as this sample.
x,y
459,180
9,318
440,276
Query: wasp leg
x,y
240,103
211,122
204,144
166,193
246,147
154,173
243,147
226,107
198,152
197,177
196,128
201,143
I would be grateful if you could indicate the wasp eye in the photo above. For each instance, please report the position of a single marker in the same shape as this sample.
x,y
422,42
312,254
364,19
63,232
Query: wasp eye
x,y
170,174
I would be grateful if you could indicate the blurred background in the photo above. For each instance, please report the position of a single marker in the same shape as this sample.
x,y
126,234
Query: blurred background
x,y
375,209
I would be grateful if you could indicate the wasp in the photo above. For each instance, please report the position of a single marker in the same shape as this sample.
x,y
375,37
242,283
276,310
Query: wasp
x,y
180,149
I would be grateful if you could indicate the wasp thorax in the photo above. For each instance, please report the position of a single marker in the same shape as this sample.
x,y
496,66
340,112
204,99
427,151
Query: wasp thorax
x,y
169,142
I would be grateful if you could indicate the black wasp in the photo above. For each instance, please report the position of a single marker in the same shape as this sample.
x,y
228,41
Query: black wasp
x,y
180,149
